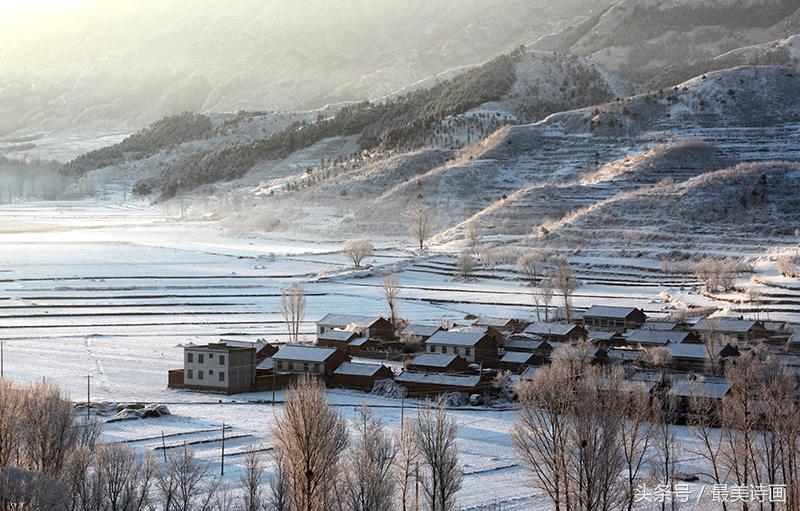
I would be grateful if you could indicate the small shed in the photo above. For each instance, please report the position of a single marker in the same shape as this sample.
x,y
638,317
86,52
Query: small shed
x,y
360,376
517,361
432,384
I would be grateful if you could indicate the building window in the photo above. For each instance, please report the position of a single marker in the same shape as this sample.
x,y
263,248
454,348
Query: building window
x,y
305,367
190,357
316,368
468,351
199,375
199,358
291,366
444,349
210,356
280,364
222,359
190,375
210,371
221,376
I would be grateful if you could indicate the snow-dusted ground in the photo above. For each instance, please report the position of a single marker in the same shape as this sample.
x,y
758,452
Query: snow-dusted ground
x,y
110,291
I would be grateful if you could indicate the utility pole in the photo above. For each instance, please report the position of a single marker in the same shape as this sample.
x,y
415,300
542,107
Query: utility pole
x,y
273,387
2,344
416,487
402,412
88,397
222,456
164,446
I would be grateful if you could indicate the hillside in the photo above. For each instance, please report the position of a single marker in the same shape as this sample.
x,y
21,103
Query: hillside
x,y
664,43
148,59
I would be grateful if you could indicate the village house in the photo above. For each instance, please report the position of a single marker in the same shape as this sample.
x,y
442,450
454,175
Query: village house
x,y
216,367
517,361
262,347
339,339
609,317
662,325
707,388
305,359
739,329
434,363
605,338
560,332
371,327
649,338
350,375
506,325
695,357
474,345
433,384
419,332
623,356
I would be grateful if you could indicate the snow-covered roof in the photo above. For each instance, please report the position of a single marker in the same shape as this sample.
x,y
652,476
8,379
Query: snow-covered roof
x,y
456,338
648,336
530,372
600,335
525,344
444,380
358,341
488,321
795,336
420,330
697,351
623,354
343,320
725,325
540,328
267,363
699,388
433,360
304,353
244,344
337,335
354,369
660,325
609,311
516,357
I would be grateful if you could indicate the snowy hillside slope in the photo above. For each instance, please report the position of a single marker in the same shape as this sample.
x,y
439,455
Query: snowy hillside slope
x,y
664,43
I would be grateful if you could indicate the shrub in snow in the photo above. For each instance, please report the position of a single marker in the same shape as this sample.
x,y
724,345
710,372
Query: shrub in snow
x,y
389,388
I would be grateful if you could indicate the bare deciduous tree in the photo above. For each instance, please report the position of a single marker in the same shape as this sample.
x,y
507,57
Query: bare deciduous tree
x,y
566,283
125,480
436,440
183,483
293,309
530,264
310,438
407,463
391,290
11,403
357,250
369,484
465,263
421,225
546,296
49,433
251,481
473,234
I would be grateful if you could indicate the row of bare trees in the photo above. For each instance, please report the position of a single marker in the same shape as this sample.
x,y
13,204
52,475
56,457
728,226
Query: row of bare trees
x,y
321,464
589,438
545,282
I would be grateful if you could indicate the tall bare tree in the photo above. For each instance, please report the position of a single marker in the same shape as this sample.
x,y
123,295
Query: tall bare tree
x,y
49,433
357,250
251,480
436,440
183,483
407,464
293,309
310,438
125,479
473,234
391,290
566,283
11,427
530,264
637,432
369,484
546,296
421,225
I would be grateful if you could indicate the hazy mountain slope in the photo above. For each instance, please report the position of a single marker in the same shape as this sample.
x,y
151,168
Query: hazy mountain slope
x,y
126,64
666,42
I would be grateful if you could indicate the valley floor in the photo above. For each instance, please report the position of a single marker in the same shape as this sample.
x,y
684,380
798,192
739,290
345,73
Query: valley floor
x,y
111,291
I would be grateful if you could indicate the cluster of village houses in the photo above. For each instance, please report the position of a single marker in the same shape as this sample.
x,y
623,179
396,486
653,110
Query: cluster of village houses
x,y
353,352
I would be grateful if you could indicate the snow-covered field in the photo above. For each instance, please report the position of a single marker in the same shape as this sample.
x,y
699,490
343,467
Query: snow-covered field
x,y
109,291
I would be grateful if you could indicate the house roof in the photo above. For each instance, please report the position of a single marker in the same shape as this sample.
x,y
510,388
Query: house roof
x,y
457,338
354,369
550,328
344,320
526,344
267,363
304,353
699,388
697,351
488,321
795,336
337,335
660,325
433,360
740,326
444,380
258,345
647,336
358,341
609,311
516,357
420,330
600,335
220,346
623,354
530,372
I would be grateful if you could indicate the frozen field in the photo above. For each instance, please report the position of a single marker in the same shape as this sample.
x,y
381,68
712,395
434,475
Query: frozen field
x,y
110,291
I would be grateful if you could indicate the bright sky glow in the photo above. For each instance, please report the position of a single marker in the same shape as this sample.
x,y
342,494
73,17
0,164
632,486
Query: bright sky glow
x,y
20,5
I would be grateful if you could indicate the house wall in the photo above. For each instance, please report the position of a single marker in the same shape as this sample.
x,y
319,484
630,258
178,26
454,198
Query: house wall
x,y
219,368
